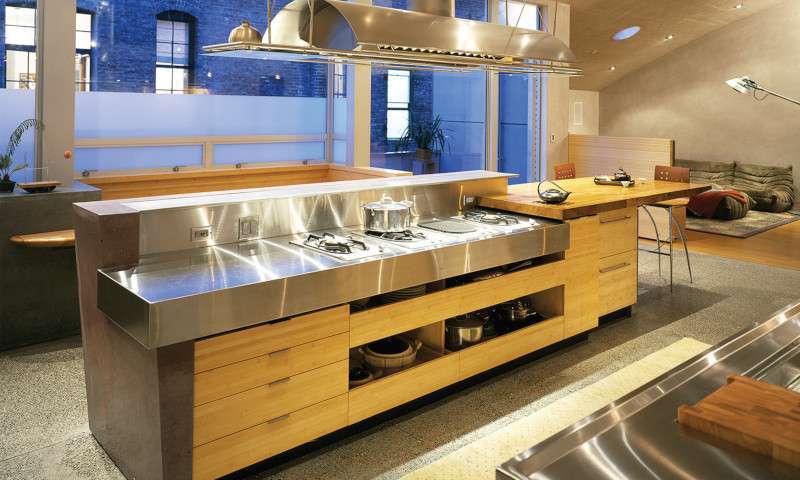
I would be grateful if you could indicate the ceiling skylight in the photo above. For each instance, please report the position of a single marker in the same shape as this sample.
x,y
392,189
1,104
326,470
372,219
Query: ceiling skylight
x,y
626,33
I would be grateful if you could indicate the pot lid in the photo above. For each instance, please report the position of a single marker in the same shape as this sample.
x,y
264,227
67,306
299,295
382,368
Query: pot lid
x,y
386,203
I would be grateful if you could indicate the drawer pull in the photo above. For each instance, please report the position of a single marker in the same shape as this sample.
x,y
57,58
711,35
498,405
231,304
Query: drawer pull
x,y
279,419
615,267
279,382
279,352
626,217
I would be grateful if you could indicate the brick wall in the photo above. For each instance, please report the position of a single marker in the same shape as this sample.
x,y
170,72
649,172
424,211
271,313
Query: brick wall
x,y
125,54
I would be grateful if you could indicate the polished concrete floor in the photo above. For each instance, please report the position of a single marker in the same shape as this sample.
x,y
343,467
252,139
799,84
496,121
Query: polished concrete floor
x,y
43,406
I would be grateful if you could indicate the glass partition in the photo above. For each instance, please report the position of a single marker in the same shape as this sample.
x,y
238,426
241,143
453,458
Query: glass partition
x,y
152,100
18,80
403,99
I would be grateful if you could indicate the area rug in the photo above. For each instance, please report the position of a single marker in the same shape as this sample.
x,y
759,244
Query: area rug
x,y
478,460
754,223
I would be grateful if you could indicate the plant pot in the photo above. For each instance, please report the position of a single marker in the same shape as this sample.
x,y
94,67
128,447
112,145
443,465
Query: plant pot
x,y
424,154
7,186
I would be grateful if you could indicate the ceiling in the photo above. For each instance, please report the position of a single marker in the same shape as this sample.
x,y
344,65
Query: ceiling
x,y
593,22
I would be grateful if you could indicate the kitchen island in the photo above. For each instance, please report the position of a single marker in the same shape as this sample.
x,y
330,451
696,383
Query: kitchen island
x,y
217,333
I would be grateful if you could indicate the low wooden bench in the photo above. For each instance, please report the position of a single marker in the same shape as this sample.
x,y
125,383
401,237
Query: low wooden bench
x,y
61,238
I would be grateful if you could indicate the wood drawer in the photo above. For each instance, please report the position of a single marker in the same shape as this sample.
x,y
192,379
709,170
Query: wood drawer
x,y
237,377
618,231
268,439
503,349
618,281
402,387
264,339
381,322
223,417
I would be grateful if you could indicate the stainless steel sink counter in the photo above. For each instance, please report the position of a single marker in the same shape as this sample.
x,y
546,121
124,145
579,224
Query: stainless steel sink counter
x,y
179,296
200,273
638,436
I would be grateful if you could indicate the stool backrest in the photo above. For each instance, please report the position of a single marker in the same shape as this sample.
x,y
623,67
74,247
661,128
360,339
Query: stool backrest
x,y
672,174
565,171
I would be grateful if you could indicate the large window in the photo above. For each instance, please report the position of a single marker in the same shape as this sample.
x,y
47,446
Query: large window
x,y
241,112
20,35
173,59
20,40
18,80
398,96
520,13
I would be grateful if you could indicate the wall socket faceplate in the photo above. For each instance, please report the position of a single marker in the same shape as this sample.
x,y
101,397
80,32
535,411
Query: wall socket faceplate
x,y
202,234
249,227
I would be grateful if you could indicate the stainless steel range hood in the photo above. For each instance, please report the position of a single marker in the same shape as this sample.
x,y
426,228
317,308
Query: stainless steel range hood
x,y
427,37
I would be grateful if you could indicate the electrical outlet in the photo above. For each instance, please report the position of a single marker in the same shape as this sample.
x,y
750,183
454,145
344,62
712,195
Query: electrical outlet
x,y
202,234
249,227
552,138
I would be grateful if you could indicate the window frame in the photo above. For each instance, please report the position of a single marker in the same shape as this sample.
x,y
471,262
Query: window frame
x,y
31,54
397,106
186,70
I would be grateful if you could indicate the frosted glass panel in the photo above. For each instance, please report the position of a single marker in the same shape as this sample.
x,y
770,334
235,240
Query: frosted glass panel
x,y
137,157
145,115
273,152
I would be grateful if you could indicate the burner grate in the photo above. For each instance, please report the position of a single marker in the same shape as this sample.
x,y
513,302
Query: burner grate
x,y
404,236
331,243
491,218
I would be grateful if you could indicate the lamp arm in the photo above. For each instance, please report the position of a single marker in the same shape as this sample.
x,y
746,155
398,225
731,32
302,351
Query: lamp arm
x,y
796,102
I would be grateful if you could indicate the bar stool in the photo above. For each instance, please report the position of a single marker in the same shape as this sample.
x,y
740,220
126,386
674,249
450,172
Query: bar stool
x,y
679,175
565,171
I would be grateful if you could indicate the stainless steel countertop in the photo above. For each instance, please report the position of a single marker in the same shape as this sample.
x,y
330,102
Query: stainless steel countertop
x,y
178,296
637,437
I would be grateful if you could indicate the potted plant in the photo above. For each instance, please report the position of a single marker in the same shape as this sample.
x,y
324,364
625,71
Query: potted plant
x,y
7,165
428,137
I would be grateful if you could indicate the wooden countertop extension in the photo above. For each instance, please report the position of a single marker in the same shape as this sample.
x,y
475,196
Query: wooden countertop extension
x,y
588,198
61,238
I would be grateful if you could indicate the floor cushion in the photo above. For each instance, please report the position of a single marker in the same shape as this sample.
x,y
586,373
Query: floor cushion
x,y
731,209
715,173
772,188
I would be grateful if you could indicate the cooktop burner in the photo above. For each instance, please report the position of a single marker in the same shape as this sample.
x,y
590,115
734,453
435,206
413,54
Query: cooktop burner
x,y
334,244
490,218
343,247
404,236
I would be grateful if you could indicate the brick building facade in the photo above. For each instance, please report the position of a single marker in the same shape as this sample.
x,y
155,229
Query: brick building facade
x,y
123,56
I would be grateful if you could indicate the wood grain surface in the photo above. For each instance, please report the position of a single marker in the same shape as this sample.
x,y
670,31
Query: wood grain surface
x,y
588,198
758,416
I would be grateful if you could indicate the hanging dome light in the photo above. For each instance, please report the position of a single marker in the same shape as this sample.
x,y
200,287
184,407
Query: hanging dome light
x,y
244,33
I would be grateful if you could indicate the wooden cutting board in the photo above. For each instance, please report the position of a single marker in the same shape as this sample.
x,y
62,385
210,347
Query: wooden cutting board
x,y
758,416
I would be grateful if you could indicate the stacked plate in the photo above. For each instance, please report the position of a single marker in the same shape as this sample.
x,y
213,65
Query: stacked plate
x,y
404,294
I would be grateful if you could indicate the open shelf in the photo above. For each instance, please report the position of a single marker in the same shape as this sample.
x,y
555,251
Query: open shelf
x,y
380,322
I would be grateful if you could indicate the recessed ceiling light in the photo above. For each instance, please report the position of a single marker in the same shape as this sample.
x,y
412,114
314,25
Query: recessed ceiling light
x,y
612,67
669,37
626,33
739,5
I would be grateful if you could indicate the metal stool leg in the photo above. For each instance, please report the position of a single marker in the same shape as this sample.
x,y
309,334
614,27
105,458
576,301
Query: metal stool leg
x,y
658,238
669,234
685,246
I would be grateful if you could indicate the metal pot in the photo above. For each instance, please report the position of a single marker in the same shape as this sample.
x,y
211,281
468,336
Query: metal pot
x,y
514,314
463,331
387,215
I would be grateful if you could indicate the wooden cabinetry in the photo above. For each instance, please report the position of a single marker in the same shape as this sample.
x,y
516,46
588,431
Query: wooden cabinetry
x,y
266,389
618,282
236,451
618,268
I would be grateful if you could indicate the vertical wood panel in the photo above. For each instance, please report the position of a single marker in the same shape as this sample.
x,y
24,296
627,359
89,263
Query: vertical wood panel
x,y
597,155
